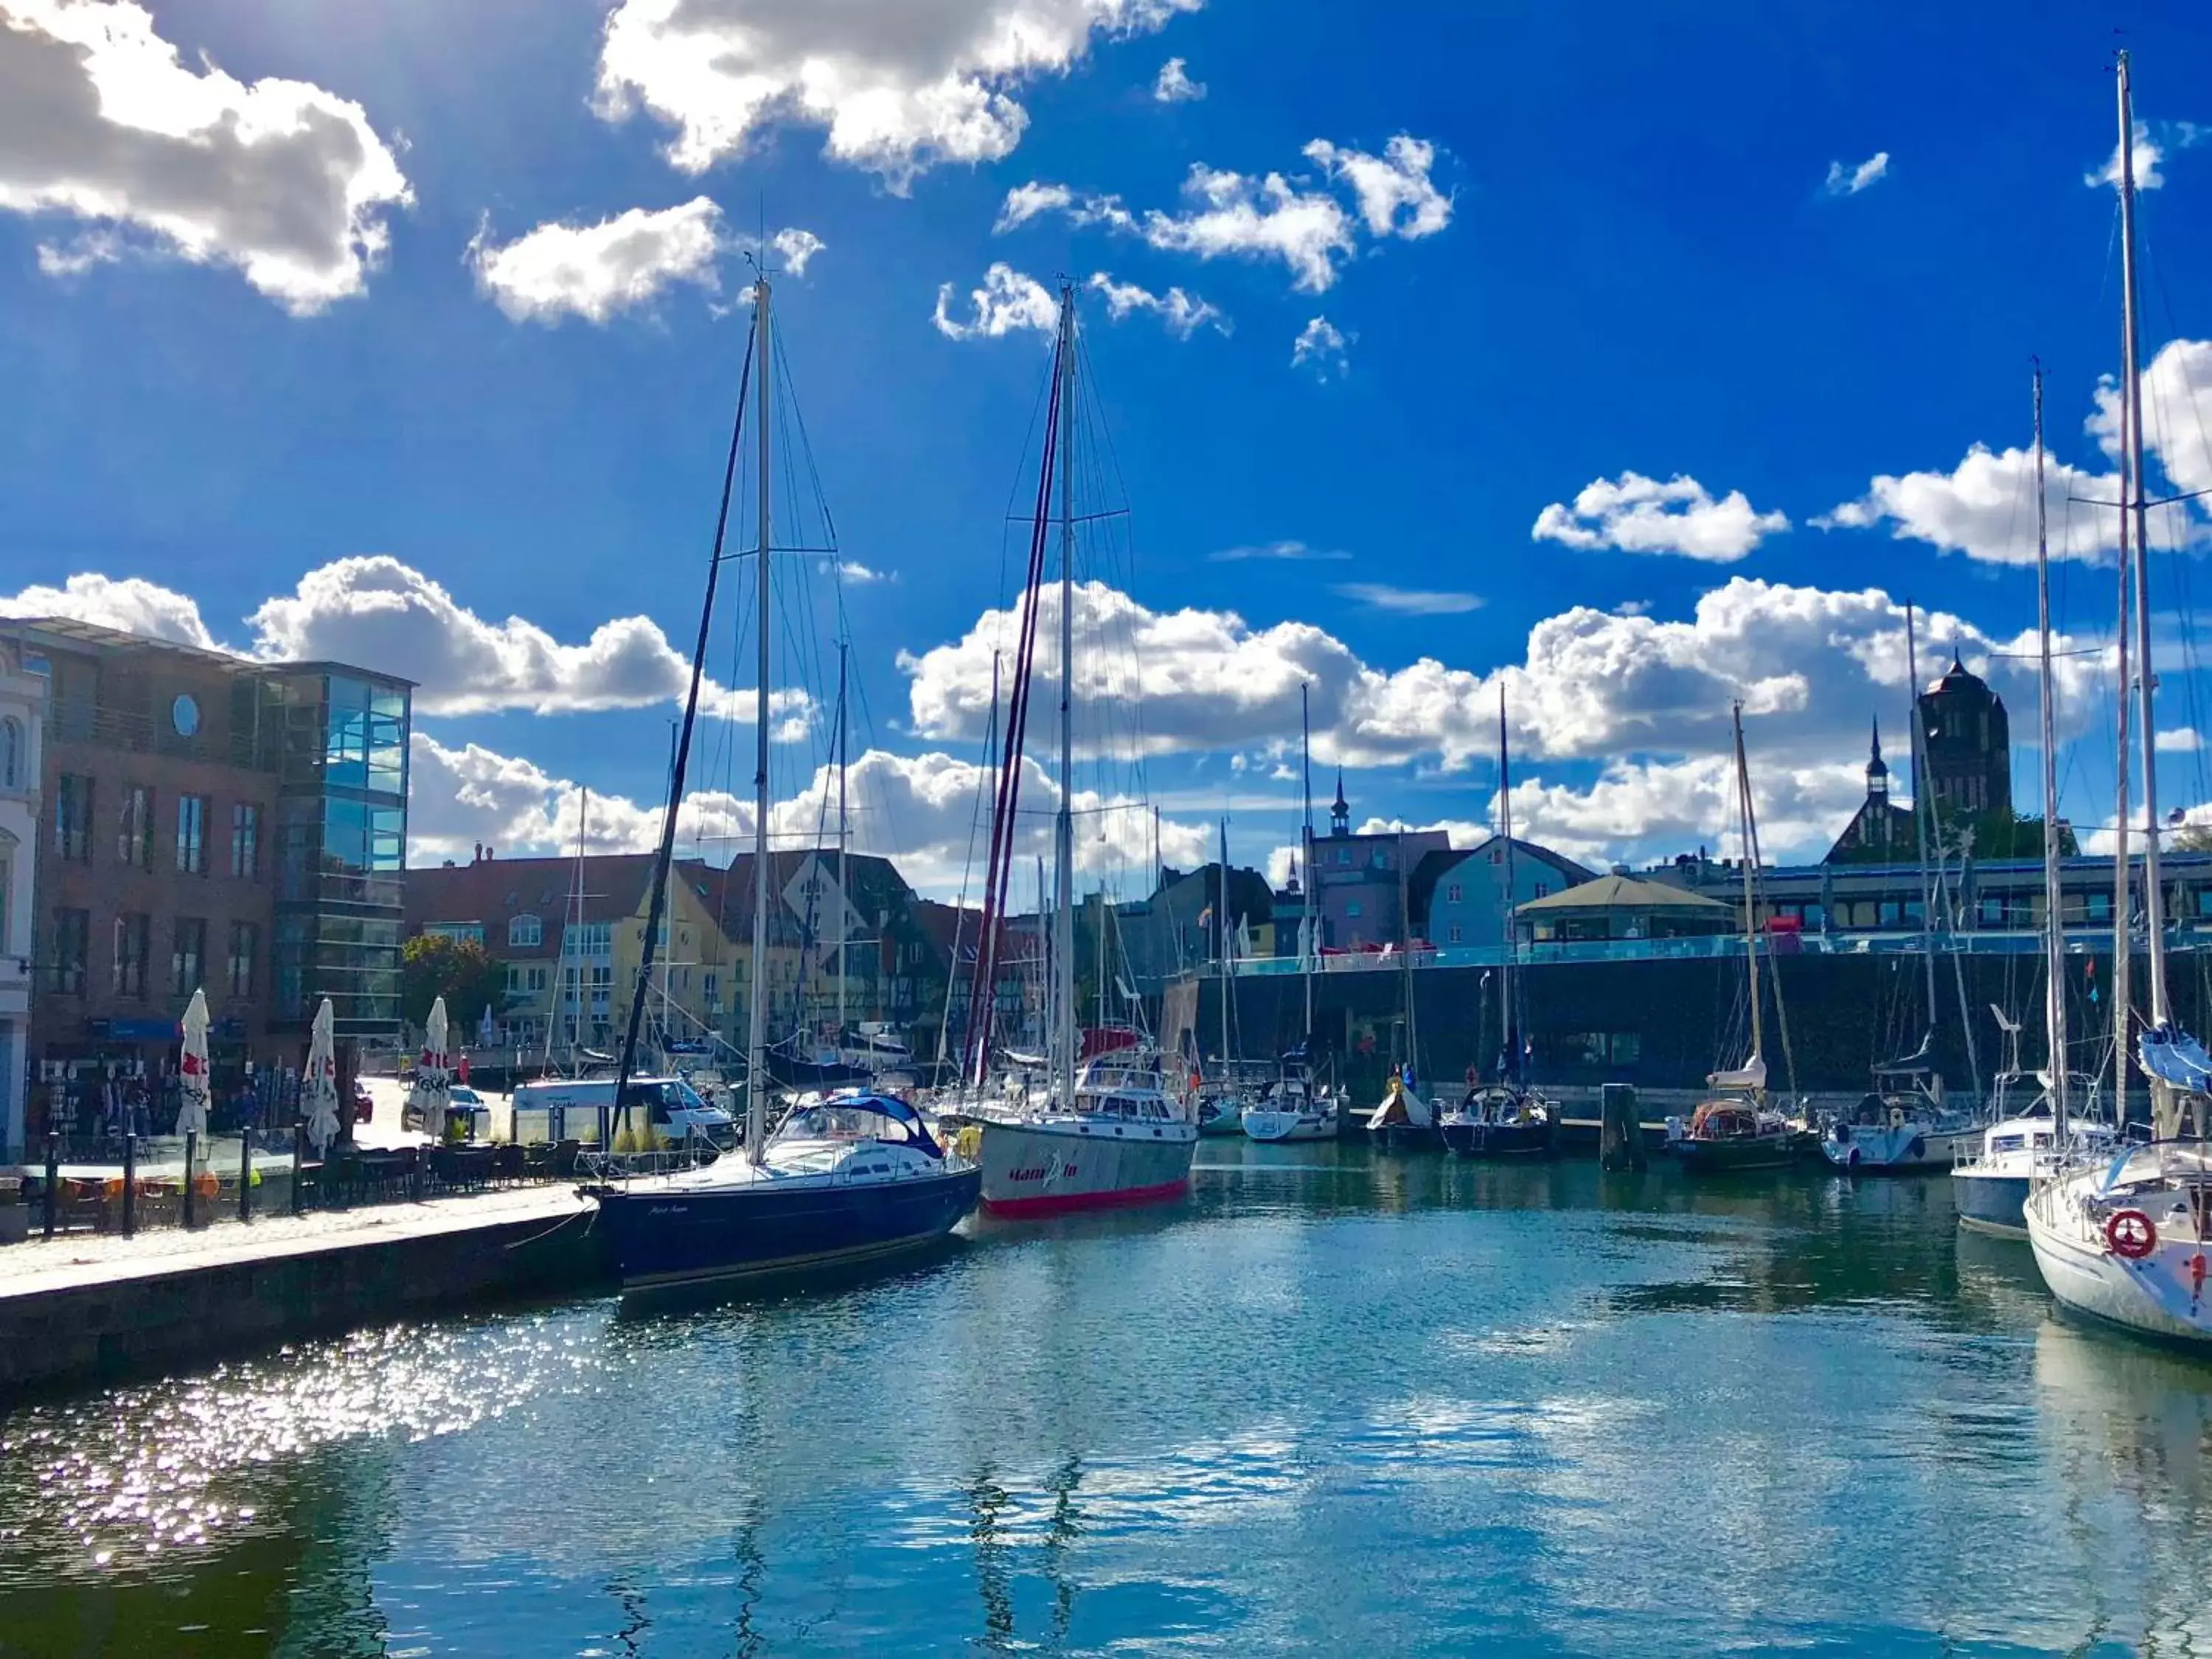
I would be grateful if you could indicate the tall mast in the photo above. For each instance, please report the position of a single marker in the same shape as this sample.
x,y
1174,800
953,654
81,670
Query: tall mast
x,y
1505,1010
2131,485
1064,827
842,901
1309,923
572,919
1924,808
2054,918
757,1011
1750,912
1221,932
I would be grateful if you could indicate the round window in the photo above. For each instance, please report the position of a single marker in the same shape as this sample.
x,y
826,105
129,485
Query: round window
x,y
185,715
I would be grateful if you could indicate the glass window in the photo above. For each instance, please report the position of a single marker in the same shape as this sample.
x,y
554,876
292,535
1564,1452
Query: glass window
x,y
134,828
1352,910
72,943
245,951
191,834
524,932
590,938
11,753
188,957
469,933
134,943
1451,934
73,818
245,839
1451,894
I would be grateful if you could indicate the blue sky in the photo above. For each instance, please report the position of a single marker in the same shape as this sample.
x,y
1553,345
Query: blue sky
x,y
330,284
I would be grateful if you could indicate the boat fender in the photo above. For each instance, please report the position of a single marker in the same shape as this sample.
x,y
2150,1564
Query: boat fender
x,y
1896,1117
1842,1132
2196,1277
2131,1235
1917,1151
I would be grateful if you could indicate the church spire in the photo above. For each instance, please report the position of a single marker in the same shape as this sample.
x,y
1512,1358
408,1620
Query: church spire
x,y
1877,770
1339,812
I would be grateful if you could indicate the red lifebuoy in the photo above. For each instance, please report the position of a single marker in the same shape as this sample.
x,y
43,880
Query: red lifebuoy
x,y
2130,1234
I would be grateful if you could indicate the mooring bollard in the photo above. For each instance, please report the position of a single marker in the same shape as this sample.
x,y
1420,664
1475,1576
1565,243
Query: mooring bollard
x,y
245,1174
1620,1129
129,1186
53,1178
192,1192
299,1157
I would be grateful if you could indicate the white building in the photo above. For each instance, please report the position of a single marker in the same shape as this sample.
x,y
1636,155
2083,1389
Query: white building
x,y
23,722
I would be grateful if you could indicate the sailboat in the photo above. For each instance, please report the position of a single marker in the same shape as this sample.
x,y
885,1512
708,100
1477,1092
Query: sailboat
x,y
1294,1107
2124,1239
1504,1119
1990,1189
1905,1125
1105,1131
1736,1128
854,1178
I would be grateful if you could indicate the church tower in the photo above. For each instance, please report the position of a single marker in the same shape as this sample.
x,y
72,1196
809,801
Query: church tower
x,y
1339,812
1966,744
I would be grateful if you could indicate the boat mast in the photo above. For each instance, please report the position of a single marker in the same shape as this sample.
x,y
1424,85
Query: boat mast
x,y
1750,913
842,889
757,1011
1221,932
571,921
1923,809
1310,924
2054,919
1505,1008
1064,826
2131,485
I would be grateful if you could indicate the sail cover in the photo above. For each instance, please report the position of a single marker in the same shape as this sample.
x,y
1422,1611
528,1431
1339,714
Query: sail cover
x,y
1752,1075
2172,1055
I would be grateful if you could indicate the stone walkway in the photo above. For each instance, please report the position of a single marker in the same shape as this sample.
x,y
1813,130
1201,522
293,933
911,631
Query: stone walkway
x,y
67,1261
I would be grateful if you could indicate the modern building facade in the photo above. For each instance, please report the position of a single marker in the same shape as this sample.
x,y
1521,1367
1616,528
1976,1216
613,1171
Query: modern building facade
x,y
208,823
22,723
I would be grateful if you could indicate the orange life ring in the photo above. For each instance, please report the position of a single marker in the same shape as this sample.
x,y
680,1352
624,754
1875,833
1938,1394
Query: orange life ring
x,y
2130,1234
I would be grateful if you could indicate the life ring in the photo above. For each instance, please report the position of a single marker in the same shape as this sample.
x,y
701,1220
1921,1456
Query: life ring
x,y
2130,1234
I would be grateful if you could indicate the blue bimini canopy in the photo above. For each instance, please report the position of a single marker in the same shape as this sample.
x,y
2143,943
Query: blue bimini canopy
x,y
2172,1055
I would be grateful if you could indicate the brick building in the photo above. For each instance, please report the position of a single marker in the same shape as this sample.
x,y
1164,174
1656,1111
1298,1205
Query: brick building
x,y
209,822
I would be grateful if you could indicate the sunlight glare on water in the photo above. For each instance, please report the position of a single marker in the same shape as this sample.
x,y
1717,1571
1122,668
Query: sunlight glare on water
x,y
1327,1404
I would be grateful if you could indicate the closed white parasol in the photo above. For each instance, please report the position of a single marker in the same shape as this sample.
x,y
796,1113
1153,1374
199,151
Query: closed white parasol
x,y
192,1070
318,1086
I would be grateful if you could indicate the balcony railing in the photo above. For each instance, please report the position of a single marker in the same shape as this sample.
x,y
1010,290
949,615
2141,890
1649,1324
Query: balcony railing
x,y
2089,940
72,719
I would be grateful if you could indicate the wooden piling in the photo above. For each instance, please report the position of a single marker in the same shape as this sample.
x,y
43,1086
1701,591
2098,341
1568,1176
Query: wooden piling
x,y
1620,1132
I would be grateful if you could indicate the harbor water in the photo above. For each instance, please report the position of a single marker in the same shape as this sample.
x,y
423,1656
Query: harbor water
x,y
1331,1403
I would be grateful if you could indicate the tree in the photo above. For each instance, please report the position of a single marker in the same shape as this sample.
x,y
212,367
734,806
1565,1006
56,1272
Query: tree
x,y
2192,838
461,970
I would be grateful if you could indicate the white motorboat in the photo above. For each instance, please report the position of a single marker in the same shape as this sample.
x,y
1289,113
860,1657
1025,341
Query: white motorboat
x,y
1989,1190
2125,1241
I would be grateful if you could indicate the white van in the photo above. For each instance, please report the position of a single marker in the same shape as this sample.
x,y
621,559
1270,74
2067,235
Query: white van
x,y
675,1110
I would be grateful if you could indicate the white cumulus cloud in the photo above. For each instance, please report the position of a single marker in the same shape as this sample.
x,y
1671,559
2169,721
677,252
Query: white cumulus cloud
x,y
1008,302
1637,514
1850,180
1174,85
1984,508
897,88
1321,347
1181,313
592,272
1395,195
101,119
132,604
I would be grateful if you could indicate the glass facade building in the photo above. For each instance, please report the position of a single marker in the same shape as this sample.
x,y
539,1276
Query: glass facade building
x,y
341,846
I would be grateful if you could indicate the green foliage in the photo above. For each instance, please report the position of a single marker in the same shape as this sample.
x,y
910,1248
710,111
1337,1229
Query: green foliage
x,y
2192,838
462,971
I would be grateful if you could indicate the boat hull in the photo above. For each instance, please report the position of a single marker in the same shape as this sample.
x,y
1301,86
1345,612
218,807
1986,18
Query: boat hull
x,y
1531,1139
1406,1138
1992,1204
665,1235
1274,1127
1915,1149
1033,1168
2098,1284
1733,1154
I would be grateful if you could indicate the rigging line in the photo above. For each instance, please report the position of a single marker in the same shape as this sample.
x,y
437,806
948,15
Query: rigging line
x,y
658,907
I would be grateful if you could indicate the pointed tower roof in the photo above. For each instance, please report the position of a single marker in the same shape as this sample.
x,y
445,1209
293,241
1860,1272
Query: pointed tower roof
x,y
1877,767
1340,804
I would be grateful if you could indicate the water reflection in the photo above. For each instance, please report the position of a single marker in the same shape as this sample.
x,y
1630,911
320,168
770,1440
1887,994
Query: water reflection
x,y
1333,1402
